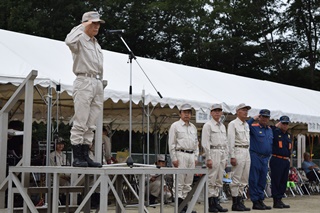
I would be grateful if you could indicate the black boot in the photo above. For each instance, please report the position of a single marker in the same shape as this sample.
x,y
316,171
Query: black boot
x,y
78,159
284,205
212,207
152,199
85,152
184,210
218,206
277,204
257,205
241,203
235,205
263,204
180,200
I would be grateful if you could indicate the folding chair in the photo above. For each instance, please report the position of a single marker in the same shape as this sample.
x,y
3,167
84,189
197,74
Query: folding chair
x,y
267,190
303,181
317,181
293,183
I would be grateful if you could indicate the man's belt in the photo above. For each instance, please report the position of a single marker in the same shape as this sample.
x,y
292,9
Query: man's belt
x,y
242,146
185,151
89,75
217,147
279,156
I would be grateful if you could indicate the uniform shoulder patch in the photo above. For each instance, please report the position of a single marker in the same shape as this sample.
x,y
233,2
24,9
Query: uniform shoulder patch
x,y
255,125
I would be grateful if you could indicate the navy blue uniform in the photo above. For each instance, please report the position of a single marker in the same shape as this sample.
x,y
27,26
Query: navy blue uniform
x,y
260,151
279,162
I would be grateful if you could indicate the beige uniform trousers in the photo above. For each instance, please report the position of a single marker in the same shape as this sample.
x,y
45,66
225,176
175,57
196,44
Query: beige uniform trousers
x,y
186,161
88,103
219,160
155,189
240,172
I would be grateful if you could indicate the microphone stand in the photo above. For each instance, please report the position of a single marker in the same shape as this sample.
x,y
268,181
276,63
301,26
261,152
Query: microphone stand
x,y
132,56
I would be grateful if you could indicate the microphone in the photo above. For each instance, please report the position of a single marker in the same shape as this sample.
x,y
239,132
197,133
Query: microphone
x,y
115,31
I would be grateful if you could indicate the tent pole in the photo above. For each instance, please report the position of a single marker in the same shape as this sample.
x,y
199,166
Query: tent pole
x,y
130,105
143,116
49,114
148,134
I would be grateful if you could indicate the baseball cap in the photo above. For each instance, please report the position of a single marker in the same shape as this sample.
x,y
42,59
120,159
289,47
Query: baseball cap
x,y
92,16
243,105
284,119
161,158
265,112
185,107
215,106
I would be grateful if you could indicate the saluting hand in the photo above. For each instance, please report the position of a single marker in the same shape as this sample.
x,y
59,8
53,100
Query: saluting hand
x,y
86,23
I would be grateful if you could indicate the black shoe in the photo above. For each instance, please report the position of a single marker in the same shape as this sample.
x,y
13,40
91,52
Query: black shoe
x,y
78,159
152,199
184,210
212,207
180,200
285,206
218,206
235,205
241,203
85,152
262,203
257,205
277,204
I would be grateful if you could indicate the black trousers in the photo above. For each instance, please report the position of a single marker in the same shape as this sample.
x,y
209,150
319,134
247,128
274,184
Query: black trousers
x,y
312,176
279,176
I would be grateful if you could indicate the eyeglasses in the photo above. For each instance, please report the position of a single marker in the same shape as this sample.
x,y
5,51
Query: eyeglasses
x,y
285,123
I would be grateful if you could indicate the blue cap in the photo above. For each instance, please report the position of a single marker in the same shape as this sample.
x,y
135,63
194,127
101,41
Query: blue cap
x,y
284,119
265,112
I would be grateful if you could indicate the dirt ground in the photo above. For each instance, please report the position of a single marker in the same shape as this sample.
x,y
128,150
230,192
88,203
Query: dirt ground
x,y
308,204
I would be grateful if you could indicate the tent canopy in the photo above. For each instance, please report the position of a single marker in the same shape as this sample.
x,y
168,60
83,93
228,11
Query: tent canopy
x,y
178,84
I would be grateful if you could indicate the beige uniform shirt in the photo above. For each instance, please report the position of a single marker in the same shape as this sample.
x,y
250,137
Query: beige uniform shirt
x,y
238,134
183,136
214,134
86,52
58,159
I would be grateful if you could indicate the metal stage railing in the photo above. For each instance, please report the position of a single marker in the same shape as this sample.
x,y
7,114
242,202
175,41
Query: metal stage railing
x,y
107,178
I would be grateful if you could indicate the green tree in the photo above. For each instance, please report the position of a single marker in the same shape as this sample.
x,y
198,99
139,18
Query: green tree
x,y
274,40
303,28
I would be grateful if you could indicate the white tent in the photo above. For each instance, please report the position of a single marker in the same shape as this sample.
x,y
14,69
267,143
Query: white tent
x,y
20,53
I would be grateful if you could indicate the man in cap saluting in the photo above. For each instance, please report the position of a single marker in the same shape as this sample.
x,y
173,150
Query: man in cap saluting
x,y
87,87
260,151
280,161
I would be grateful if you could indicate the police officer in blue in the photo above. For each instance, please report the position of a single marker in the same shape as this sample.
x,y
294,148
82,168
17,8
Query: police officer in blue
x,y
280,161
260,151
